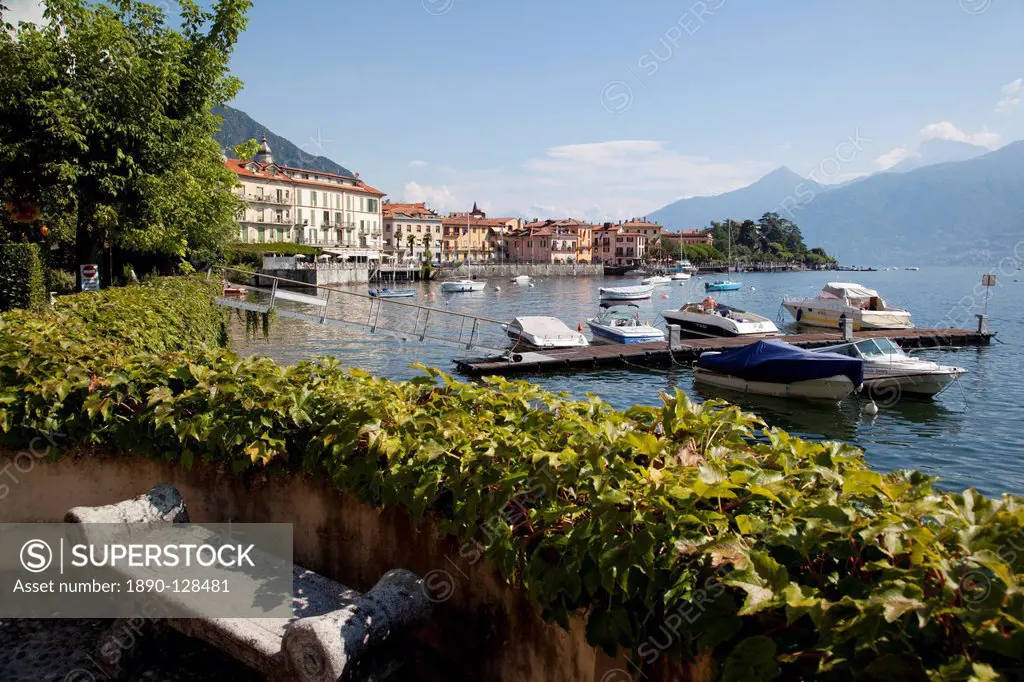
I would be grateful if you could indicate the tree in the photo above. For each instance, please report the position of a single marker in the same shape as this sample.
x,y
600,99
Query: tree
x,y
411,241
105,115
245,151
426,245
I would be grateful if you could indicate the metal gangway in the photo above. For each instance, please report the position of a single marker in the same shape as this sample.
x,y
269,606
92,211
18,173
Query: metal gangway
x,y
354,311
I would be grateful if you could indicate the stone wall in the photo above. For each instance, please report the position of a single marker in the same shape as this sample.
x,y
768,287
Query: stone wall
x,y
317,277
483,629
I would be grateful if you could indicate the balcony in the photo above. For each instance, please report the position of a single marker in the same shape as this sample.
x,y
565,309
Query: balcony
x,y
267,199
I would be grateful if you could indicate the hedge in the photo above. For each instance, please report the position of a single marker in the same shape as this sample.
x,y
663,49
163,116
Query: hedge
x,y
690,531
22,284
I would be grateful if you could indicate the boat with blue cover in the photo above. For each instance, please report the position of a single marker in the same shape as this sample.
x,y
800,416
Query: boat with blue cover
x,y
778,369
722,285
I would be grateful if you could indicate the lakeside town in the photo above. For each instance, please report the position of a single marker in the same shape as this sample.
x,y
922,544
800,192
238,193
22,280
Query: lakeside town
x,y
574,441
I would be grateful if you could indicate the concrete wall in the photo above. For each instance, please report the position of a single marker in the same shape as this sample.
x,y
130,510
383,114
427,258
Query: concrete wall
x,y
482,629
513,269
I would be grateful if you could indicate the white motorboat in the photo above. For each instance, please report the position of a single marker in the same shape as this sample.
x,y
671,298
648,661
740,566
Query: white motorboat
x,y
710,319
458,285
913,268
656,280
621,324
778,369
889,370
839,301
680,276
521,279
634,293
544,332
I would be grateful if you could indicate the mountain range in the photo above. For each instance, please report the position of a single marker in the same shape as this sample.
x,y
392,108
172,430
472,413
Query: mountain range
x,y
239,127
968,209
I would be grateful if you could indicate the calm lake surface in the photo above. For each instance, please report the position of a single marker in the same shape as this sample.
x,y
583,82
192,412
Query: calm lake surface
x,y
970,435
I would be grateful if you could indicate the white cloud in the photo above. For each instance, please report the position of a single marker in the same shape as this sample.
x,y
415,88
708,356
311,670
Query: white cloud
x,y
23,10
893,156
439,198
945,130
417,164
1011,93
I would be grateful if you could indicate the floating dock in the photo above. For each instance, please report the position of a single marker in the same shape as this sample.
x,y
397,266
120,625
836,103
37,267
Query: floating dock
x,y
688,350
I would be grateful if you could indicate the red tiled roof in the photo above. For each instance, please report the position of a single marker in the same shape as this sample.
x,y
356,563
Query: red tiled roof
x,y
419,210
241,168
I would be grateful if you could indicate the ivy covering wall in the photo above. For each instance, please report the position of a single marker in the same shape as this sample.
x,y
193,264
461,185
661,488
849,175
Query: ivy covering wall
x,y
688,532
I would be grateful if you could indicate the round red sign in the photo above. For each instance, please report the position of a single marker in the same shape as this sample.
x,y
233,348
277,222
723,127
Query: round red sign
x,y
88,271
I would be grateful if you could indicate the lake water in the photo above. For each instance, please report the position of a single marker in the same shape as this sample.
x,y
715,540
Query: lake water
x,y
970,435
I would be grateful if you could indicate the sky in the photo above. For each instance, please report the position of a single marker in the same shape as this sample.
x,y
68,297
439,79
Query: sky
x,y
604,109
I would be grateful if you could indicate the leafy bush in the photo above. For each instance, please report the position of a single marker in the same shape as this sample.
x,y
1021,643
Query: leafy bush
x,y
60,281
21,277
688,531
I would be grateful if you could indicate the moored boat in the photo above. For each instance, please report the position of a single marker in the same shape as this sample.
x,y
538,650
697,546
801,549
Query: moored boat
x,y
540,331
656,280
839,301
392,293
459,285
621,324
889,370
778,369
634,293
710,319
521,279
722,285
680,276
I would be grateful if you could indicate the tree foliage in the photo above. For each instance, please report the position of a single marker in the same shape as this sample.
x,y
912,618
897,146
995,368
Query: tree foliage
x,y
686,531
105,116
245,151
771,238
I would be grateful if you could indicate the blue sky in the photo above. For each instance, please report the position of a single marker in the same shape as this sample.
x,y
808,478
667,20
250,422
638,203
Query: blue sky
x,y
608,109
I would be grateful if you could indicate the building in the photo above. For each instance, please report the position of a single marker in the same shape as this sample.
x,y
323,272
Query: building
x,y
474,237
550,241
703,237
285,204
625,243
410,230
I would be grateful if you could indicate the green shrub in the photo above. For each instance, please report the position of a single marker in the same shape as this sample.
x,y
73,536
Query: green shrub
x,y
686,531
251,255
60,281
21,277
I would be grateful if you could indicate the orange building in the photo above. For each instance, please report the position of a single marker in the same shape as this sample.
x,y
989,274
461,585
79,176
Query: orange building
x,y
551,241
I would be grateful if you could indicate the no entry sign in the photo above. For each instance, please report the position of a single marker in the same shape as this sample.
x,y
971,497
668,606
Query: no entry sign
x,y
90,277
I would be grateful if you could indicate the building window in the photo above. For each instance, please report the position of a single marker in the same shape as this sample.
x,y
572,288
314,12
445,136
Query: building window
x,y
298,196
312,198
327,218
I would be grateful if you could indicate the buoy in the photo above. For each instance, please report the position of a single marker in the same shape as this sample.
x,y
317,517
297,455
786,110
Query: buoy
x,y
753,288
579,327
664,295
532,284
871,408
497,288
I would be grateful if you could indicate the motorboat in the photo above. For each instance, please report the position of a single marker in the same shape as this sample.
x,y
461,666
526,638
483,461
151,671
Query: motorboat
x,y
680,276
722,285
913,268
683,266
712,319
392,293
544,332
459,285
778,369
656,280
521,279
621,324
634,293
839,301
889,370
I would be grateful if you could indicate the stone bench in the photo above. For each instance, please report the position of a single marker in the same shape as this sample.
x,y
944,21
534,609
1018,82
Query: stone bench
x,y
335,633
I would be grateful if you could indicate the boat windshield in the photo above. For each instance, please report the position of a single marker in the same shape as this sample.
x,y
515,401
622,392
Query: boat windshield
x,y
877,347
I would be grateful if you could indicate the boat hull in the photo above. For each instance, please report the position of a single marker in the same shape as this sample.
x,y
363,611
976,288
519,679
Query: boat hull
x,y
456,287
656,281
624,294
625,335
711,286
832,389
814,315
889,385
681,276
401,293
710,326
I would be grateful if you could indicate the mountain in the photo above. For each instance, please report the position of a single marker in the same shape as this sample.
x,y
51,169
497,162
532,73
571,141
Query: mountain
x,y
752,201
239,127
969,211
934,151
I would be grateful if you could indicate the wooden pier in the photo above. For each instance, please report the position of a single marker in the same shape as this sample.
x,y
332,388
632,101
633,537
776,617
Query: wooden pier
x,y
688,350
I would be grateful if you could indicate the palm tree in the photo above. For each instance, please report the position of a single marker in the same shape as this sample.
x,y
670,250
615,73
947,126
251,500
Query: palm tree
x,y
411,241
398,239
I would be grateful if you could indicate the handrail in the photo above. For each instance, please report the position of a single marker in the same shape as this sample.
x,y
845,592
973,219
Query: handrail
x,y
353,294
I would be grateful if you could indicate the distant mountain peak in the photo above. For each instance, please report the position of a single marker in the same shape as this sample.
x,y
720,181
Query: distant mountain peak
x,y
238,127
936,150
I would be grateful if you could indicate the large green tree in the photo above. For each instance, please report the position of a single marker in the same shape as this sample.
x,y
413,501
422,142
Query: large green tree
x,y
105,115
